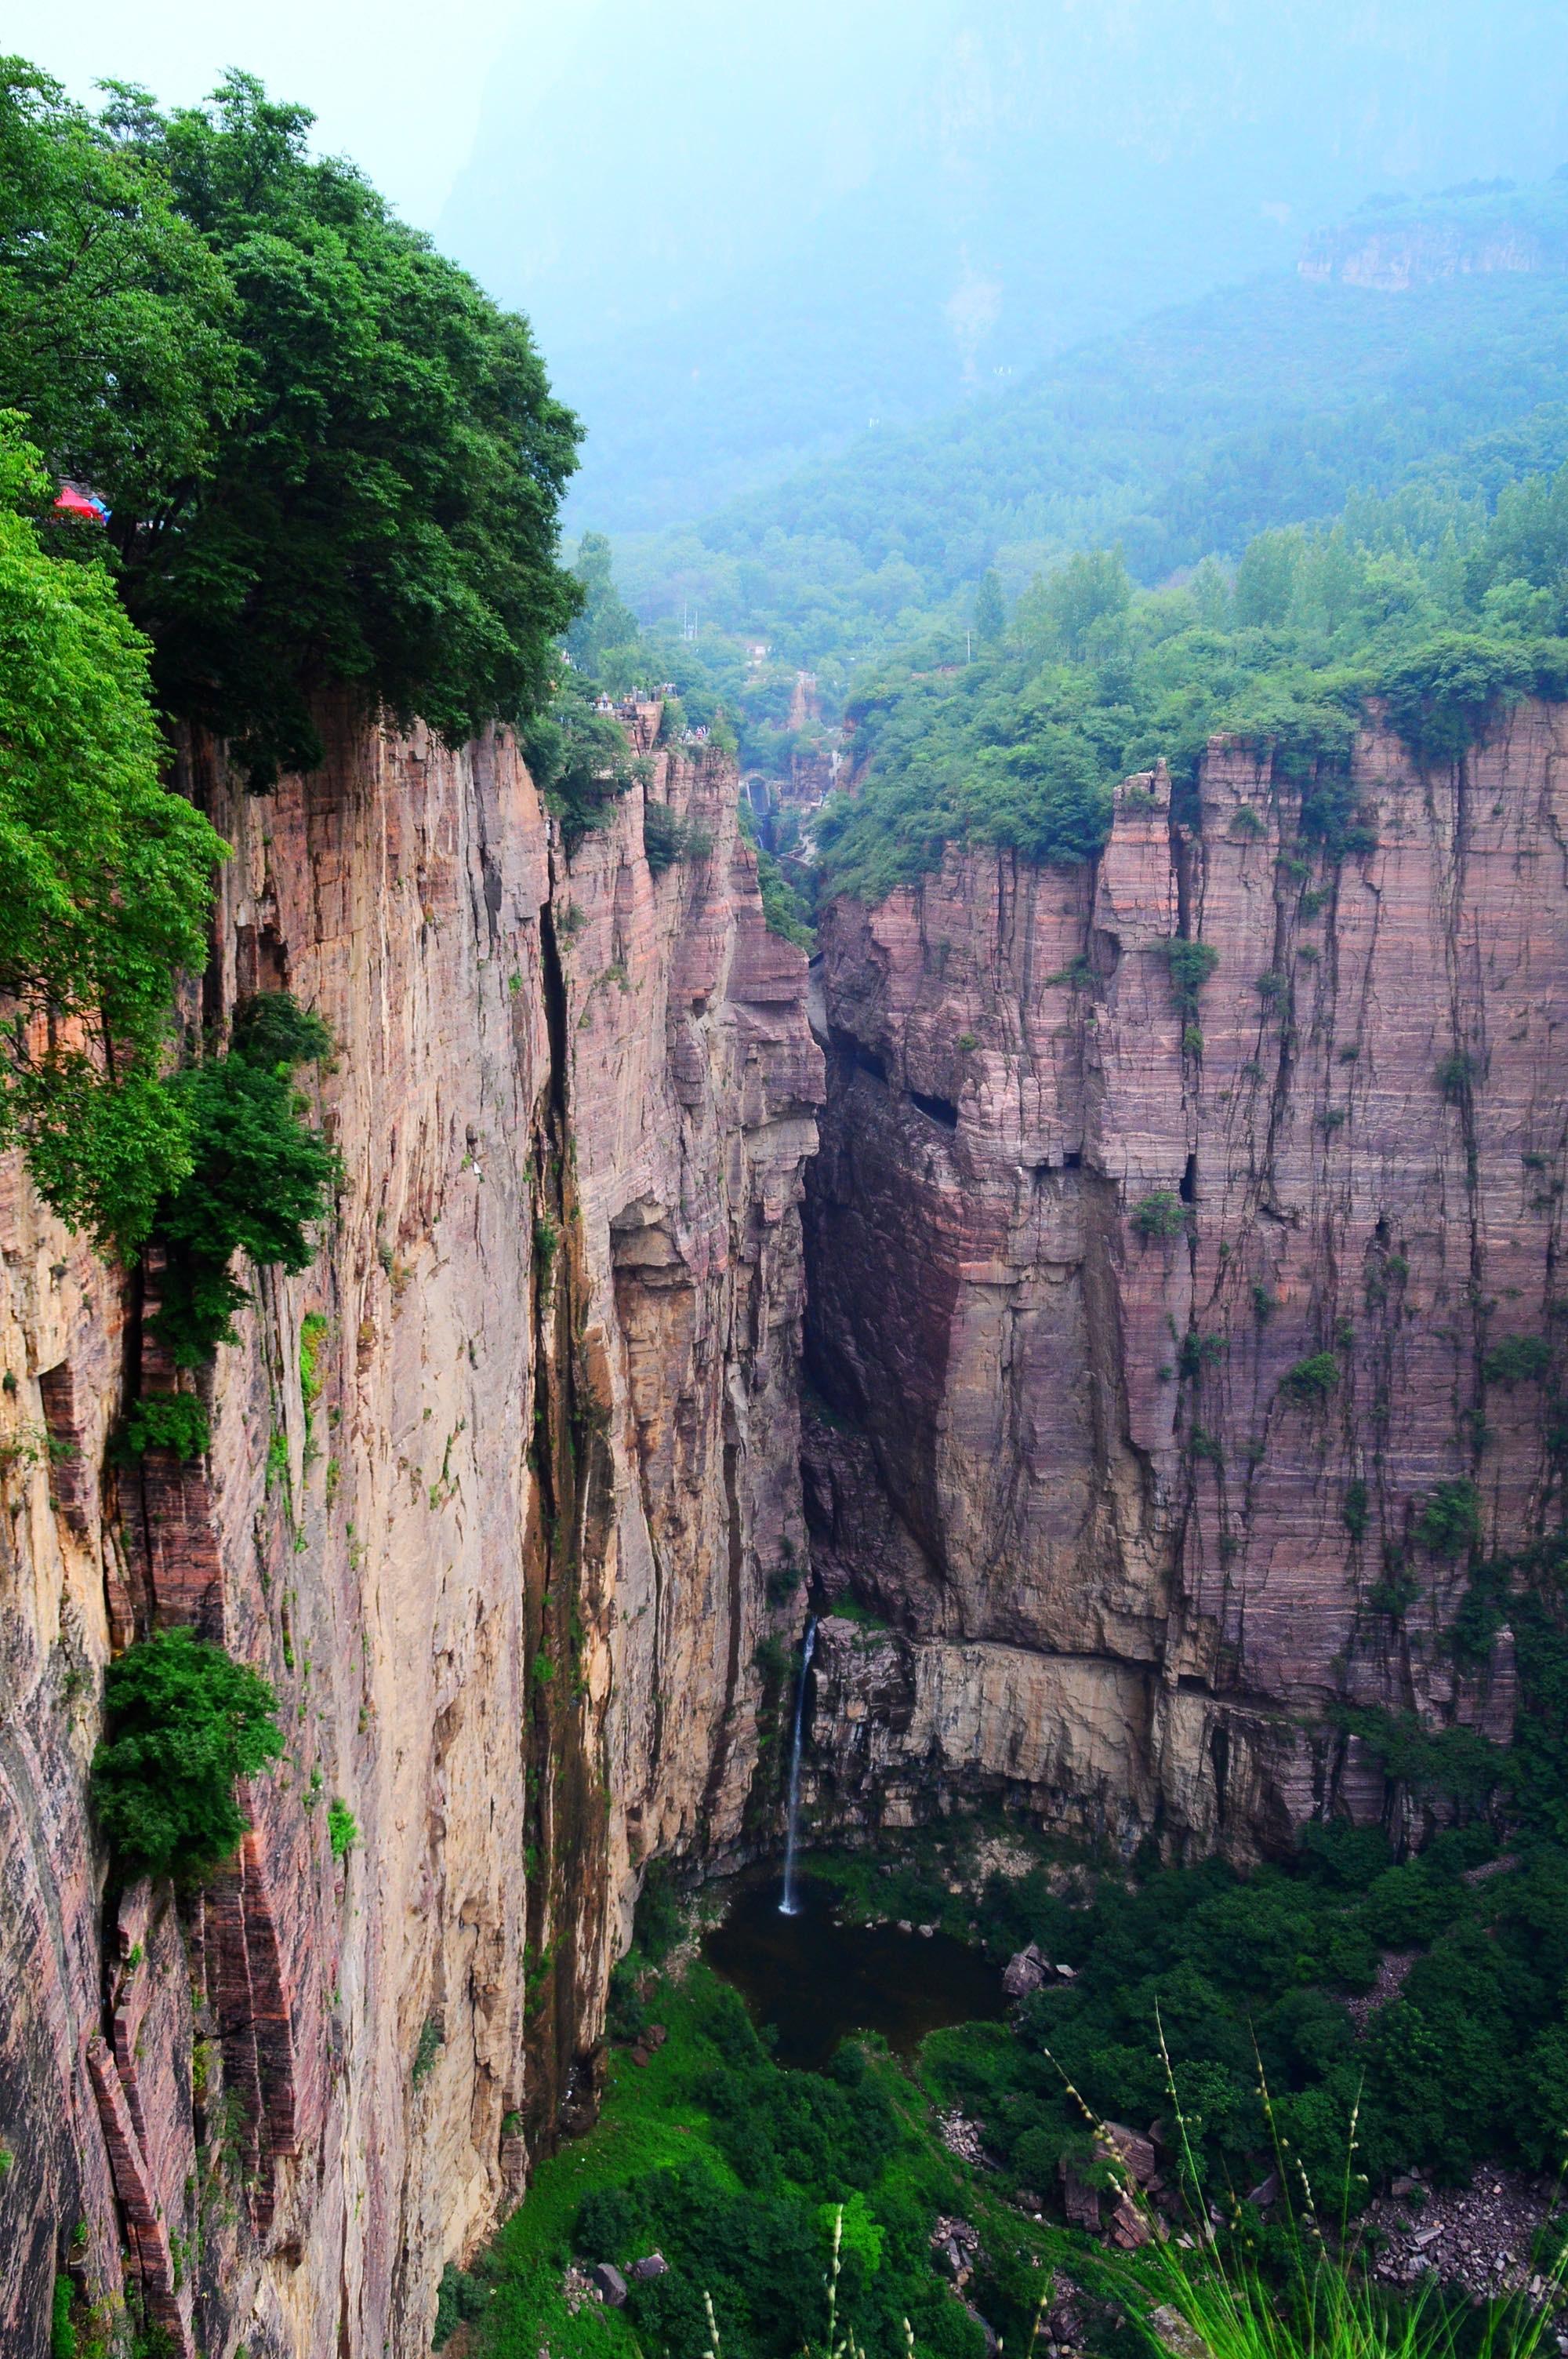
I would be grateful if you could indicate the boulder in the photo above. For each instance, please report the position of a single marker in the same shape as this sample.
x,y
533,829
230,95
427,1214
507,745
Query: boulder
x,y
1137,2153
653,2265
609,2283
1079,2200
1175,2333
1023,1972
1129,2223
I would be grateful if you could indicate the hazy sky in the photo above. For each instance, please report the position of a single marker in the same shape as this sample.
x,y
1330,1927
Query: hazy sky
x,y
396,83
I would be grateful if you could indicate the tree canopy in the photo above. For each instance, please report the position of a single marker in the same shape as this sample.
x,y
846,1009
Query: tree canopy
x,y
105,878
330,457
330,462
1442,610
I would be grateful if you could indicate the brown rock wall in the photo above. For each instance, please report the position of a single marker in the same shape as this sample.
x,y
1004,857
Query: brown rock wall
x,y
504,1571
1063,1459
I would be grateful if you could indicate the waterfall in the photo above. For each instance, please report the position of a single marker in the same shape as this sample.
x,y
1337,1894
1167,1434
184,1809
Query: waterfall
x,y
788,1906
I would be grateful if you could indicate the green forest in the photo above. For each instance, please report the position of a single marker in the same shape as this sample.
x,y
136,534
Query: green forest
x,y
1434,600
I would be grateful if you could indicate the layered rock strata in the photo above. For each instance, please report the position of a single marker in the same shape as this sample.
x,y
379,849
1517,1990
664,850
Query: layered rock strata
x,y
1150,1309
499,1536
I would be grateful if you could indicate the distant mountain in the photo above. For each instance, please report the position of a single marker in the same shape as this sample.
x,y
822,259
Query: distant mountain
x,y
1478,228
1265,404
743,235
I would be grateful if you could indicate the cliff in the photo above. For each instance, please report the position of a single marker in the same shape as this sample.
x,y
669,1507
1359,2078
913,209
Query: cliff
x,y
1071,1242
500,1540
1476,230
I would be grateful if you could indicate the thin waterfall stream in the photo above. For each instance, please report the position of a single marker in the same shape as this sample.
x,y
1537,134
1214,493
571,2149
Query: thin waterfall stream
x,y
788,1906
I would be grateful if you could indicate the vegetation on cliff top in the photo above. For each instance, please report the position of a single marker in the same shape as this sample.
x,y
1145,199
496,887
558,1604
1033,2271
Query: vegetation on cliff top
x,y
330,463
1428,601
328,456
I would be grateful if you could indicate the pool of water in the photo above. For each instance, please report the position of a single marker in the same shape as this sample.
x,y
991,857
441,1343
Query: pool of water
x,y
817,1980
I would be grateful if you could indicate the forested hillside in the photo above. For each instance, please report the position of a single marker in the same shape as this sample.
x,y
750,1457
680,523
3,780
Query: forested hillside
x,y
800,220
1266,403
1433,599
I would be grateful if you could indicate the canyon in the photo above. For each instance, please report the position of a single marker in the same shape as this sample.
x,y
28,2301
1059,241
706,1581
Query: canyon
x,y
496,1555
520,1536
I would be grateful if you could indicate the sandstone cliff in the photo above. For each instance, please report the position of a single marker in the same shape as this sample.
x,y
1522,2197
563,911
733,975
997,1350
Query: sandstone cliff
x,y
505,1567
1129,1564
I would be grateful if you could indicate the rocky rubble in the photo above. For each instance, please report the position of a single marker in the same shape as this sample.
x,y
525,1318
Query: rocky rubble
x,y
1481,2237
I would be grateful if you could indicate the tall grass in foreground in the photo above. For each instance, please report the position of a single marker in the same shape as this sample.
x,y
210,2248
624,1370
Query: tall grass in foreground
x,y
1197,2292
1202,2288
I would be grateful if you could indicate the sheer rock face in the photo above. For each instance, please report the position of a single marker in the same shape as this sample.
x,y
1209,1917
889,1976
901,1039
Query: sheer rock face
x,y
1126,1567
572,1100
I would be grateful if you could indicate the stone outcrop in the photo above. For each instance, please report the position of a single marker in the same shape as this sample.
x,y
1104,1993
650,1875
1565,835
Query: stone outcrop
x,y
504,1556
1080,1216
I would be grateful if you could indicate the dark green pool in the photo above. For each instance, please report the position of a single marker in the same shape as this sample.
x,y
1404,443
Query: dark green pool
x,y
816,1981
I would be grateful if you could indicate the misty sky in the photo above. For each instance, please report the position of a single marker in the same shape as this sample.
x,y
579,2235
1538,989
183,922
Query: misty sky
x,y
398,84
810,218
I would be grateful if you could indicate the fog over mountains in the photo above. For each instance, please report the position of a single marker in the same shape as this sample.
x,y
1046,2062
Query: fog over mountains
x,y
742,235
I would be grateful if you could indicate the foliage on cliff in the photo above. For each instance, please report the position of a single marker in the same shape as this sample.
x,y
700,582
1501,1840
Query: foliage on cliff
x,y
330,457
578,757
1441,613
329,461
104,883
260,1175
184,1721
1259,405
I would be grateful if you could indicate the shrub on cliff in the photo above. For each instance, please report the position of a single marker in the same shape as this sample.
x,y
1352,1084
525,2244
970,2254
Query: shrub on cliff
x,y
184,1720
1158,1217
667,838
260,1176
175,1422
1311,1380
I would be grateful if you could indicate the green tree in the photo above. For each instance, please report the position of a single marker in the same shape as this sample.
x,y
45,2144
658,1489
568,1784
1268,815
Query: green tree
x,y
184,1721
1266,578
990,614
116,316
606,628
259,1178
104,884
1091,590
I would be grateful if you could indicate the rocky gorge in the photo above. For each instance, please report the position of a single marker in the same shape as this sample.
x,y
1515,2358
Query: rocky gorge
x,y
1174,1219
491,1532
